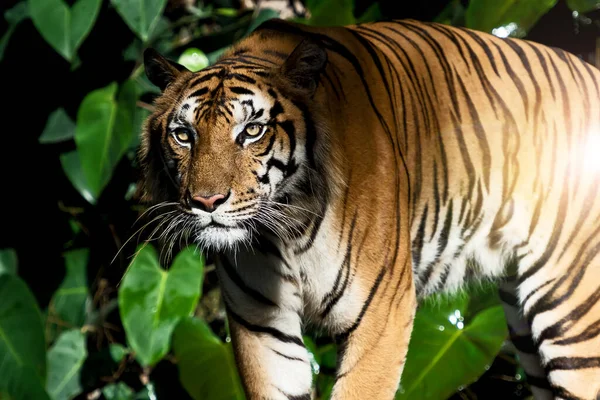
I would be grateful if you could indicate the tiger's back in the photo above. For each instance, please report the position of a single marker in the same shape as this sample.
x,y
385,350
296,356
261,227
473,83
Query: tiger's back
x,y
502,141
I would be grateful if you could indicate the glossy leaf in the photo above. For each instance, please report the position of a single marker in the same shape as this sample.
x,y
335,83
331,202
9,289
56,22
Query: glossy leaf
x,y
506,17
152,300
64,27
193,59
59,128
117,391
8,261
206,365
104,131
71,165
22,345
450,346
583,6
65,359
117,352
69,300
141,16
14,16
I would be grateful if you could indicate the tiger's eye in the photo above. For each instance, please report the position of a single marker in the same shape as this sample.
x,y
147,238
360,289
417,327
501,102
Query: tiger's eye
x,y
253,129
182,136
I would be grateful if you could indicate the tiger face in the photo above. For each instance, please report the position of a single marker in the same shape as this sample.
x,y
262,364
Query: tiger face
x,y
230,144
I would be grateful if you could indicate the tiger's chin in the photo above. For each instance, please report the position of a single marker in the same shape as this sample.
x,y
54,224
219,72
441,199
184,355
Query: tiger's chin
x,y
221,238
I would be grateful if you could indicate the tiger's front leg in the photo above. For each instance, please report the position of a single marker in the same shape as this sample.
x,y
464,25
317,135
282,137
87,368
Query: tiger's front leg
x,y
263,307
373,350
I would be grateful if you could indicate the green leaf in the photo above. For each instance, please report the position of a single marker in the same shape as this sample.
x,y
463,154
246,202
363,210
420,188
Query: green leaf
x,y
450,347
583,6
193,59
62,27
14,16
140,15
117,352
334,12
65,360
68,302
8,261
152,300
59,128
506,17
71,165
206,365
22,344
118,391
104,131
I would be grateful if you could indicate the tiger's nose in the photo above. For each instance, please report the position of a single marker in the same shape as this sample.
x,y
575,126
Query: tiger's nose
x,y
207,203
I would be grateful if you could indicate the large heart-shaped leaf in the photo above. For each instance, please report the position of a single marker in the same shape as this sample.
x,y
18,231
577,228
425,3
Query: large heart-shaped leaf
x,y
65,359
583,5
451,345
104,131
71,165
67,307
140,15
59,127
22,345
508,17
152,300
206,365
62,27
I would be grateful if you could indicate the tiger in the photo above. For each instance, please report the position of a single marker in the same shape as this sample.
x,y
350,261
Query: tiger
x,y
340,175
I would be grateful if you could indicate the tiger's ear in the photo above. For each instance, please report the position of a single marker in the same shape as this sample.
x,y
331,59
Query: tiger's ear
x,y
303,67
159,70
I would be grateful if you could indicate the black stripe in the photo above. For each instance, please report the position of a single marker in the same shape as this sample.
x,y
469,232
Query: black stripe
x,y
275,333
559,328
199,92
558,224
445,234
590,332
344,335
572,363
237,280
242,78
562,393
240,90
289,357
332,298
268,148
417,244
436,200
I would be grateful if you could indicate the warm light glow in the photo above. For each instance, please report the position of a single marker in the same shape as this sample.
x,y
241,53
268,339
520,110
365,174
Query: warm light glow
x,y
592,153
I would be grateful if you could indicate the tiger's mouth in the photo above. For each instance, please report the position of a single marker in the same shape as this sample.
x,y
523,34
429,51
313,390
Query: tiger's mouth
x,y
220,238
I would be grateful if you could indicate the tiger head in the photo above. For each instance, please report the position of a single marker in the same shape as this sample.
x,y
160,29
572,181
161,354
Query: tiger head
x,y
233,143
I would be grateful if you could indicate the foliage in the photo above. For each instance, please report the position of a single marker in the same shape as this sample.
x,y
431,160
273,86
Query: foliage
x,y
116,336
